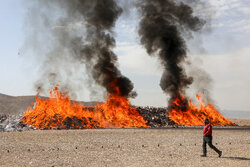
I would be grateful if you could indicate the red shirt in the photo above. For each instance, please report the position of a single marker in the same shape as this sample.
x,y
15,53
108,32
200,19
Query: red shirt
x,y
207,130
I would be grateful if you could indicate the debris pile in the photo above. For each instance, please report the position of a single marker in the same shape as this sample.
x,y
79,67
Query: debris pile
x,y
10,123
156,116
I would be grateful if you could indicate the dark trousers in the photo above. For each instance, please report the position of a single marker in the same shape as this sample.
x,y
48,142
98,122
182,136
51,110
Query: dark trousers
x,y
208,140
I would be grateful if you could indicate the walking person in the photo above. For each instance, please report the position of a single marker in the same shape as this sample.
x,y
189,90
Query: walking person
x,y
207,139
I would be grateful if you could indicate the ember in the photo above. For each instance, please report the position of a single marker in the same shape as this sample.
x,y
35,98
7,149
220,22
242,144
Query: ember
x,y
60,113
186,113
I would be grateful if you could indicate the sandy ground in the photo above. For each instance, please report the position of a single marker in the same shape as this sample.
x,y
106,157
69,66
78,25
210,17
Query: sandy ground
x,y
122,147
241,122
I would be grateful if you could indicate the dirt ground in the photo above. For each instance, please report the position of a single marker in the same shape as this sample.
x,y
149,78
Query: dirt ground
x,y
122,147
241,122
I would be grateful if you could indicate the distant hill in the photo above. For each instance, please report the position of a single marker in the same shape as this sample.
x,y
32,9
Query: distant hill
x,y
13,105
237,114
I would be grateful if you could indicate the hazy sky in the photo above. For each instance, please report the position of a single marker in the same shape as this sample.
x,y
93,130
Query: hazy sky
x,y
224,53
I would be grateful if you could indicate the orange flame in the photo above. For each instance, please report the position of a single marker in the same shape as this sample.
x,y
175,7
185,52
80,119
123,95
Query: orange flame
x,y
60,113
189,114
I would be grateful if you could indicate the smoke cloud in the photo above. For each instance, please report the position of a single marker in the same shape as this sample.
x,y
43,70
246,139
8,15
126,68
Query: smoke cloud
x,y
161,28
68,34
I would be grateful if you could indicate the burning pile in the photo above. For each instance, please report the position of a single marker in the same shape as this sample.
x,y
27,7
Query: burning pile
x,y
162,25
90,44
85,36
189,114
57,112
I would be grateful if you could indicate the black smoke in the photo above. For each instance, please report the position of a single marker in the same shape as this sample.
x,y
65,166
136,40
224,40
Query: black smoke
x,y
161,28
81,32
100,20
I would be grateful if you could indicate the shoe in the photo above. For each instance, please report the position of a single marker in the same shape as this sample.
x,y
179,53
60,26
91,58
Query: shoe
x,y
203,155
220,153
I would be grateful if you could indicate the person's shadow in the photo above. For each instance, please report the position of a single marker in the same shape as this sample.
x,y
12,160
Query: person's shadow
x,y
237,158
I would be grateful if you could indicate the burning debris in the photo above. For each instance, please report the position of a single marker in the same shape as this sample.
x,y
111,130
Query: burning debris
x,y
89,44
189,114
162,25
87,39
57,112
93,47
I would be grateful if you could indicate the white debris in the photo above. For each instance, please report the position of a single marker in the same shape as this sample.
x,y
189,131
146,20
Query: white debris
x,y
12,123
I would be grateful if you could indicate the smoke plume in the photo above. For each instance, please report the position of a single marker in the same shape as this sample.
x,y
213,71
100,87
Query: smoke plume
x,y
78,32
161,29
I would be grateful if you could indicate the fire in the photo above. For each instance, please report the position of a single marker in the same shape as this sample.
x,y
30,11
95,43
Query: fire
x,y
188,114
58,112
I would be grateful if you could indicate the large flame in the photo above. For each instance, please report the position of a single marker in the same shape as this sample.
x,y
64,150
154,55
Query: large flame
x,y
188,114
60,113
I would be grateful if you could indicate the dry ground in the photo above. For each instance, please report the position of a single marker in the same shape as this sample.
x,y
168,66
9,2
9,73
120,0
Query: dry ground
x,y
122,147
241,122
